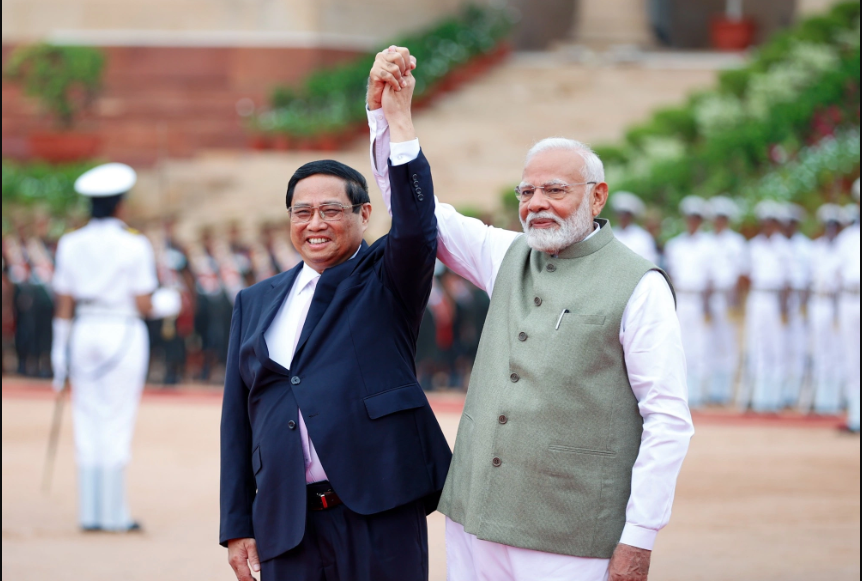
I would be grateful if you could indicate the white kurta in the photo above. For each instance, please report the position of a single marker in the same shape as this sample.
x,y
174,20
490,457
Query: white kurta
x,y
651,340
688,259
727,264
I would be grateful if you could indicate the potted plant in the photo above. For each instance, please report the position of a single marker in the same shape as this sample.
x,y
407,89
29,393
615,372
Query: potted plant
x,y
732,31
65,80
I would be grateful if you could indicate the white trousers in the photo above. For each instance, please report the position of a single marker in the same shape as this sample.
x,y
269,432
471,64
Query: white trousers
x,y
827,355
108,369
850,334
723,350
796,355
695,335
471,559
765,337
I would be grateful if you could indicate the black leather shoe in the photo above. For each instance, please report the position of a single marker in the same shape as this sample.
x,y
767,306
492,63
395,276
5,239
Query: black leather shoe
x,y
135,527
92,529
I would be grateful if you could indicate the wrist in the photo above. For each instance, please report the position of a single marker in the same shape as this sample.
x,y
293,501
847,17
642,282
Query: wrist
x,y
401,129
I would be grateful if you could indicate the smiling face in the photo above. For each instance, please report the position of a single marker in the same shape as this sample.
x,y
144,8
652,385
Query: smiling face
x,y
323,244
543,219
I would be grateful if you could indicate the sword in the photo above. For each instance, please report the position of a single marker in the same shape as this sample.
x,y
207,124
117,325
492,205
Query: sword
x,y
54,438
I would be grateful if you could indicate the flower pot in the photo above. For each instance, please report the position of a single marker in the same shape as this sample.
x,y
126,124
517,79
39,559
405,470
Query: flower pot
x,y
732,35
281,142
64,147
258,142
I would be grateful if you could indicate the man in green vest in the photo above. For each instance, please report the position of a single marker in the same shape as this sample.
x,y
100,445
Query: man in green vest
x,y
576,421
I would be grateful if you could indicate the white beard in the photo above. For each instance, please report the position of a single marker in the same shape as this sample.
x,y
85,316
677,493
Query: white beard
x,y
574,229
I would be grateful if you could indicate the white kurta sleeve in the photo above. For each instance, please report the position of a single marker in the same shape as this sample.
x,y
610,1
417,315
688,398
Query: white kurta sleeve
x,y
651,339
466,245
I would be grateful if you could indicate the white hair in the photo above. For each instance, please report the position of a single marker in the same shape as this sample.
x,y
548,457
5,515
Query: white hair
x,y
594,169
575,228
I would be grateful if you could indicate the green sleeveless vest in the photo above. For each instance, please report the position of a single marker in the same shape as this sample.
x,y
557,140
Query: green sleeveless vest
x,y
551,428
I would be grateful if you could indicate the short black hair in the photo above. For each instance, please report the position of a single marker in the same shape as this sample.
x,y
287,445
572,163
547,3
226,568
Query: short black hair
x,y
355,185
105,207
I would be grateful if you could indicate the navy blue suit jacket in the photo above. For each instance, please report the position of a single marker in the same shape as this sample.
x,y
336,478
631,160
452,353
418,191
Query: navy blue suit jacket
x,y
353,377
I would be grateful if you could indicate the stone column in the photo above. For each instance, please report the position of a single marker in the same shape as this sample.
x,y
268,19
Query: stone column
x,y
604,23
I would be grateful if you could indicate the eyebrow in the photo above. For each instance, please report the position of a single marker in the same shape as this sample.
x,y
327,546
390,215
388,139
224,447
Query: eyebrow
x,y
323,203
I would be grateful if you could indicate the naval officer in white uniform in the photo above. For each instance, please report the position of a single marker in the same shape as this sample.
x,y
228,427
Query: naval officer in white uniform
x,y
104,282
728,265
849,308
628,207
689,259
797,340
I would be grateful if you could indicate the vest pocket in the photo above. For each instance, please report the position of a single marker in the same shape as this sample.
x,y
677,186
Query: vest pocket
x,y
584,451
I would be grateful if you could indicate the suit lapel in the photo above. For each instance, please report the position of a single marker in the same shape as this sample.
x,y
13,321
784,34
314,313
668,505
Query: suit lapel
x,y
281,286
323,294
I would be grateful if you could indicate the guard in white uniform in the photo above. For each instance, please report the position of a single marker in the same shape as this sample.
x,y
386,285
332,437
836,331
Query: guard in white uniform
x,y
848,250
628,207
688,258
105,277
797,341
770,263
728,265
826,346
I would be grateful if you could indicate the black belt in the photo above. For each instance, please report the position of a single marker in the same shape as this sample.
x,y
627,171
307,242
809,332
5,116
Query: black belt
x,y
322,497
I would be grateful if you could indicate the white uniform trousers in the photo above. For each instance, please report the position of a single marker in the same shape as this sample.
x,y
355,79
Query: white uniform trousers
x,y
765,336
850,336
109,356
796,351
471,559
722,349
695,334
827,354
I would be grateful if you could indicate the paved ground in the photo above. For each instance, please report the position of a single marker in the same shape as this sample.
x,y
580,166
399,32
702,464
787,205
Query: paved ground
x,y
759,499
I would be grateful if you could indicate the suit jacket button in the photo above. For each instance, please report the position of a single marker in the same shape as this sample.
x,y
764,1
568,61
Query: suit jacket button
x,y
295,380
515,378
552,268
291,424
416,177
419,190
420,197
497,462
522,337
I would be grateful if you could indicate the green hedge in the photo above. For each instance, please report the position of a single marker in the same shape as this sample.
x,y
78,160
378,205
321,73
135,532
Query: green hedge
x,y
800,87
333,100
47,186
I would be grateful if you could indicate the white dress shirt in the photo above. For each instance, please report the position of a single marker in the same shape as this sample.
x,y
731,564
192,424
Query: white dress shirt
x,y
638,240
282,337
649,334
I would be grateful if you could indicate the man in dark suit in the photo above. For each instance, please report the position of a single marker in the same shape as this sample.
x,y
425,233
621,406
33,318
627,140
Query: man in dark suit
x,y
331,457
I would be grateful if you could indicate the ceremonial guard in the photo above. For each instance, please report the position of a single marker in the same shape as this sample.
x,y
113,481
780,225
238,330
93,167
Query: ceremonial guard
x,y
104,282
797,340
688,259
848,249
827,355
728,265
628,207
770,263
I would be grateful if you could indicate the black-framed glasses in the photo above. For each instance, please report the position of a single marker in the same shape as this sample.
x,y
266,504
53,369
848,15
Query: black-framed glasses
x,y
328,212
555,191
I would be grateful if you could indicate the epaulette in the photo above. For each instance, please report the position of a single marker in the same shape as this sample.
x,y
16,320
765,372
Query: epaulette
x,y
131,230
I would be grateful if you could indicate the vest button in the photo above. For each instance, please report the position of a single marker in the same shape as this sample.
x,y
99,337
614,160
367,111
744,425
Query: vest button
x,y
291,424
497,462
522,336
537,301
515,378
551,268
295,380
503,419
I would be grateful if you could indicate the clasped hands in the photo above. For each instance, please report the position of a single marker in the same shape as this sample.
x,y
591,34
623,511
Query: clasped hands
x,y
390,87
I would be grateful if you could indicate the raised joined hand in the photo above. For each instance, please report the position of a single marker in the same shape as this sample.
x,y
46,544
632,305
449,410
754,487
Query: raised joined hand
x,y
390,69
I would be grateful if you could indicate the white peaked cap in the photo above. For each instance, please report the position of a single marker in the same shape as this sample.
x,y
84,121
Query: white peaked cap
x,y
794,213
724,206
831,213
627,202
110,179
851,213
855,190
769,210
694,206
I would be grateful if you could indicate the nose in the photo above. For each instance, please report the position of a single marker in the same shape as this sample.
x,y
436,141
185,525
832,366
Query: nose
x,y
316,223
538,203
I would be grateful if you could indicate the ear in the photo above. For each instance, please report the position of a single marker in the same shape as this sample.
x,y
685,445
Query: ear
x,y
600,198
365,212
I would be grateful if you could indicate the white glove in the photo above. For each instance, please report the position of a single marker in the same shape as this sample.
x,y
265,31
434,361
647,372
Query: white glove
x,y
167,303
60,352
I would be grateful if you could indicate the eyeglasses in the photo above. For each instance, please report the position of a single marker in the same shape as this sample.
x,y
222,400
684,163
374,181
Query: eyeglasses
x,y
328,212
551,191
